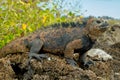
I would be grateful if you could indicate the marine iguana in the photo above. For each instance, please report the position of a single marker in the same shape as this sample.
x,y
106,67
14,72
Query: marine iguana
x,y
61,40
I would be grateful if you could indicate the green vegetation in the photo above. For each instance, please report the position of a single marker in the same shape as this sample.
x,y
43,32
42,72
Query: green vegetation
x,y
114,21
18,18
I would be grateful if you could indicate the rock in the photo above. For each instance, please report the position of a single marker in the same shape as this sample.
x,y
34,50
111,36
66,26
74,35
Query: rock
x,y
117,75
103,70
56,68
99,54
6,71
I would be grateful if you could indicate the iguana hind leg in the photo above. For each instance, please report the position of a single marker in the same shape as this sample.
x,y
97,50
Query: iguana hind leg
x,y
84,62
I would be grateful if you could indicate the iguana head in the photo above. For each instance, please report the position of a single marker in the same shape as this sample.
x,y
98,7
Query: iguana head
x,y
96,27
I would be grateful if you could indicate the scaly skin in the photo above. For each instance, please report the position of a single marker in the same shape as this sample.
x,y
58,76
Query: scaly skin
x,y
61,40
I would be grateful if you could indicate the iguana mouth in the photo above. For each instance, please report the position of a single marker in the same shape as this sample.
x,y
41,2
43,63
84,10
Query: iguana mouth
x,y
104,27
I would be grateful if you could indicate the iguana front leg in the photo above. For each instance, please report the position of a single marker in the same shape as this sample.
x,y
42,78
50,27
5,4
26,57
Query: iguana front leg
x,y
69,51
84,62
35,46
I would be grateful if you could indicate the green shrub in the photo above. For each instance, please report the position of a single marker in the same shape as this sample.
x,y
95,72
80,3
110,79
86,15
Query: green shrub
x,y
18,18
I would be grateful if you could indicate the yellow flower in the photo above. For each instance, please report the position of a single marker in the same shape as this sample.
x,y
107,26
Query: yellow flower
x,y
44,19
22,2
12,23
81,17
24,26
30,29
26,2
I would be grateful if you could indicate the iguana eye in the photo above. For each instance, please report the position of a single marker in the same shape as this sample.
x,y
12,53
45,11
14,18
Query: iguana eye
x,y
98,21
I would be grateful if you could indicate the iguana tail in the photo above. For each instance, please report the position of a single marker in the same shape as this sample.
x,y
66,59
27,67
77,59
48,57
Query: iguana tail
x,y
16,46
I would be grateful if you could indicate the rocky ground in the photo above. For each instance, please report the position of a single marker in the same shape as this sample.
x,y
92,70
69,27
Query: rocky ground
x,y
13,67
